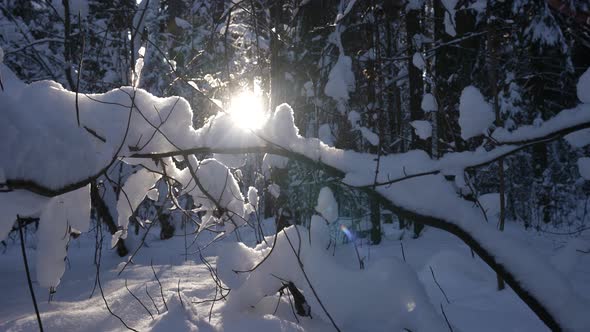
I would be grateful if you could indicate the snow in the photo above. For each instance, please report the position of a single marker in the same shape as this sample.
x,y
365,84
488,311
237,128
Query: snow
x,y
369,135
393,306
231,160
429,103
217,188
564,119
544,30
579,139
327,205
1,55
309,89
450,16
355,118
18,202
340,81
422,128
253,197
491,204
583,87
273,161
418,61
584,167
325,134
62,214
133,192
570,256
475,114
281,127
479,6
474,305
106,115
349,5
274,190
270,161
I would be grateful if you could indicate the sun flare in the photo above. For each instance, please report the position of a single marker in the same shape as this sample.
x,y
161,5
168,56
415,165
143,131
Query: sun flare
x,y
247,110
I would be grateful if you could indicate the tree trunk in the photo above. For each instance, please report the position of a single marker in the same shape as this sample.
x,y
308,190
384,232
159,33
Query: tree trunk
x,y
493,81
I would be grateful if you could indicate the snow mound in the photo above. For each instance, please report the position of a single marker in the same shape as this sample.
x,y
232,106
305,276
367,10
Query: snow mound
x,y
134,191
282,125
450,16
123,121
398,305
475,114
18,202
422,128
429,103
253,197
62,215
490,204
418,61
250,322
340,81
270,161
181,316
327,205
325,134
579,139
217,191
446,265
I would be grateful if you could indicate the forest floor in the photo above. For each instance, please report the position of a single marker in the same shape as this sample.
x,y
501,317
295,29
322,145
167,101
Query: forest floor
x,y
470,300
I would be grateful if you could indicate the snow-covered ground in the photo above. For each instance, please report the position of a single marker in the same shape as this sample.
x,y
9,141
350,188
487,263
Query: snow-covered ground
x,y
473,303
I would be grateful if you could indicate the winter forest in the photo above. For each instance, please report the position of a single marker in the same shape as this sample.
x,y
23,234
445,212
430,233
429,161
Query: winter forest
x,y
294,165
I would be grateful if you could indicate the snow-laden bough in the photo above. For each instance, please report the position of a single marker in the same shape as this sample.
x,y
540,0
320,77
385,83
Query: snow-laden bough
x,y
41,142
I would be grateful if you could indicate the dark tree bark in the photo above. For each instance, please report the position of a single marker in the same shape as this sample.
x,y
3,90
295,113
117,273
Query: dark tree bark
x,y
103,215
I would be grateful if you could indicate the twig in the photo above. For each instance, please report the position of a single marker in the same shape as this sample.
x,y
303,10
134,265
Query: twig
x,y
274,242
309,282
213,303
159,283
102,292
179,297
439,287
138,300
137,249
446,319
79,69
279,301
22,246
401,244
93,132
151,298
292,307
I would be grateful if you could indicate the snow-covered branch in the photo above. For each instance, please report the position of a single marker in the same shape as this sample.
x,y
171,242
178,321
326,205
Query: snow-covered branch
x,y
42,142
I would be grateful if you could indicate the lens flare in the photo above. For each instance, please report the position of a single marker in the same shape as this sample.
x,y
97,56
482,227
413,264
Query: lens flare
x,y
347,232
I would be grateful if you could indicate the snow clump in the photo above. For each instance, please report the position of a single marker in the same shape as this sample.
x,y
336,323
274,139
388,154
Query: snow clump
x,y
475,114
